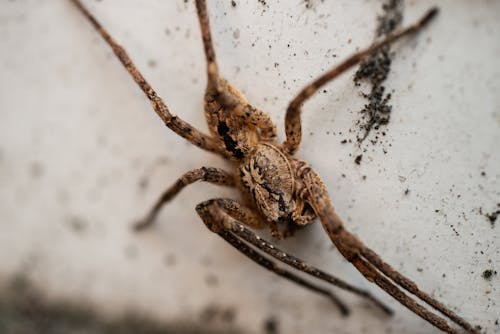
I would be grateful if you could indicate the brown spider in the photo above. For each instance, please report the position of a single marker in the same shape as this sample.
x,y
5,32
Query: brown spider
x,y
279,190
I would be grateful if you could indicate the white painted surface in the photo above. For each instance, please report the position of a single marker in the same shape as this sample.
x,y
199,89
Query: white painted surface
x,y
77,138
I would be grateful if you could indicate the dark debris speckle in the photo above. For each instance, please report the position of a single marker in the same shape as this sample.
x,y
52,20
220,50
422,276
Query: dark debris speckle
x,y
374,70
77,224
488,274
271,325
492,217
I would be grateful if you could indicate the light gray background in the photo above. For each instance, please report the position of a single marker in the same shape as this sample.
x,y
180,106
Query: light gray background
x,y
79,142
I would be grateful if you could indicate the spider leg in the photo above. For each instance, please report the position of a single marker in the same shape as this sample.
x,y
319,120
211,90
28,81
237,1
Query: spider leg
x,y
293,127
212,67
172,121
219,89
370,264
207,174
410,286
224,216
270,265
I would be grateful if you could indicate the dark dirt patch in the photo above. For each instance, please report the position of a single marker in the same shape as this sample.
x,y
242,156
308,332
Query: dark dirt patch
x,y
271,325
170,260
25,310
211,280
209,313
215,313
310,4
374,71
488,274
492,217
143,183
152,63
228,315
77,224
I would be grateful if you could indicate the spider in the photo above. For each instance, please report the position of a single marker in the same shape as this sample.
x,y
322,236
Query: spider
x,y
279,190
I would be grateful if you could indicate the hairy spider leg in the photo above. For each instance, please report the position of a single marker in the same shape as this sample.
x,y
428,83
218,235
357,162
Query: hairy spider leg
x,y
221,95
270,265
219,176
212,67
172,121
207,174
224,216
369,264
363,258
293,128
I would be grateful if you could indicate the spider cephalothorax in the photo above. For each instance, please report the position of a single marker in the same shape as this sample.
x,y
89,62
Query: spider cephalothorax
x,y
267,178
277,187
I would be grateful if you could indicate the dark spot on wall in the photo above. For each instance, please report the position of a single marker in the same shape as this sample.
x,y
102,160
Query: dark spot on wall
x,y
213,313
229,315
455,230
488,274
492,217
36,170
143,183
25,309
271,325
209,313
152,63
211,280
374,71
77,224
170,260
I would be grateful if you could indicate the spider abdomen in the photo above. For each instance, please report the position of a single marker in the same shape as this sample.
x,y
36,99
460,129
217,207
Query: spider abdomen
x,y
266,178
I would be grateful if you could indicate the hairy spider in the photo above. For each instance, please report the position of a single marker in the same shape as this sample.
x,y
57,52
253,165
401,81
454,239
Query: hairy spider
x,y
279,190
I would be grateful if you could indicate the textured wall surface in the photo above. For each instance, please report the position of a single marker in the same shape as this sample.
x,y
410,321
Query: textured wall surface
x,y
82,155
